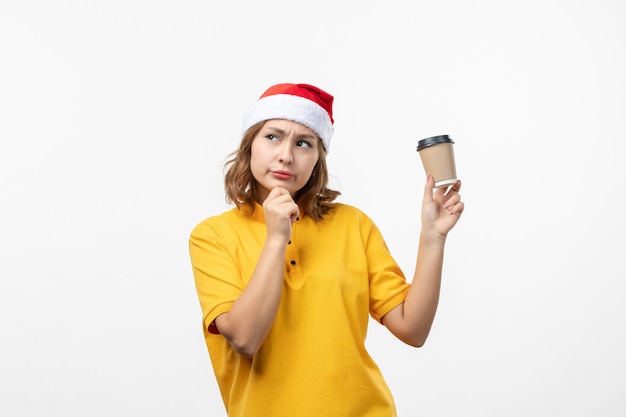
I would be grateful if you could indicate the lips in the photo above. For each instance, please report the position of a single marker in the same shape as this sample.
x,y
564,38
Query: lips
x,y
283,175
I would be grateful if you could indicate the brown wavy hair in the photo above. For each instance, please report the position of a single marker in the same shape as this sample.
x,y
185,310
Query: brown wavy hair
x,y
315,198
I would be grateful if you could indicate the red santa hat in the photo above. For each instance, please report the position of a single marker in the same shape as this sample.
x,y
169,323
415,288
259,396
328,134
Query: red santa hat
x,y
302,103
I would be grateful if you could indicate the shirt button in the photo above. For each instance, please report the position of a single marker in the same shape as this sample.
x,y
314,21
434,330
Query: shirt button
x,y
293,262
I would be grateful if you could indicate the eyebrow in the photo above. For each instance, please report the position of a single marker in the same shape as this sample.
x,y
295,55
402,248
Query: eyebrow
x,y
300,136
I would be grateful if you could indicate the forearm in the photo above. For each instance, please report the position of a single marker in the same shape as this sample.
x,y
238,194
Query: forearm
x,y
422,300
441,209
252,315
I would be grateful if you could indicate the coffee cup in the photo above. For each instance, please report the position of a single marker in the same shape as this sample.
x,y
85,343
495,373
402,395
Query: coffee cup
x,y
437,155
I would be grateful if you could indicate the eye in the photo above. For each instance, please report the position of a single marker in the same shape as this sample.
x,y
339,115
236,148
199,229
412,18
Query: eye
x,y
303,144
271,137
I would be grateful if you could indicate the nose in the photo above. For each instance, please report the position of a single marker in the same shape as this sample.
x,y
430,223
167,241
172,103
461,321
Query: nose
x,y
285,156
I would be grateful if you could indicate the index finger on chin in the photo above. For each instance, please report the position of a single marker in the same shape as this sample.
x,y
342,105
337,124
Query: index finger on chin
x,y
280,190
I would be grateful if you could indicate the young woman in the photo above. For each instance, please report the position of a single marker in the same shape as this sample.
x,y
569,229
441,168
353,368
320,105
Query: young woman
x,y
287,279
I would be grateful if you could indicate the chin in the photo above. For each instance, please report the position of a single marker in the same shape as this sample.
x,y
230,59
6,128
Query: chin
x,y
270,185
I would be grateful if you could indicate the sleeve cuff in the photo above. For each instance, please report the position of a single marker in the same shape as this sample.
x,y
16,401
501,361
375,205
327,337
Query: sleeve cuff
x,y
209,318
389,305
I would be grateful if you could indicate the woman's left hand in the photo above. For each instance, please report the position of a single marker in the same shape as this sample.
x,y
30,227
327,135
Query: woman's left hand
x,y
440,212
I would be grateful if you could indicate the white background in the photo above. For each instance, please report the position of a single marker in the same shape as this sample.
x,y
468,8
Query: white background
x,y
116,117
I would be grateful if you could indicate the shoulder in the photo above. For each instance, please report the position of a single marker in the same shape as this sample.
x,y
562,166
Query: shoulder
x,y
348,214
347,210
219,224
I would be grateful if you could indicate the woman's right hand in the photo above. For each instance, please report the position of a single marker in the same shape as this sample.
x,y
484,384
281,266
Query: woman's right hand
x,y
280,212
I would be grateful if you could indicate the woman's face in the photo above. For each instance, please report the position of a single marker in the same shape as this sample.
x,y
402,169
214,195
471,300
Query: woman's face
x,y
283,154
